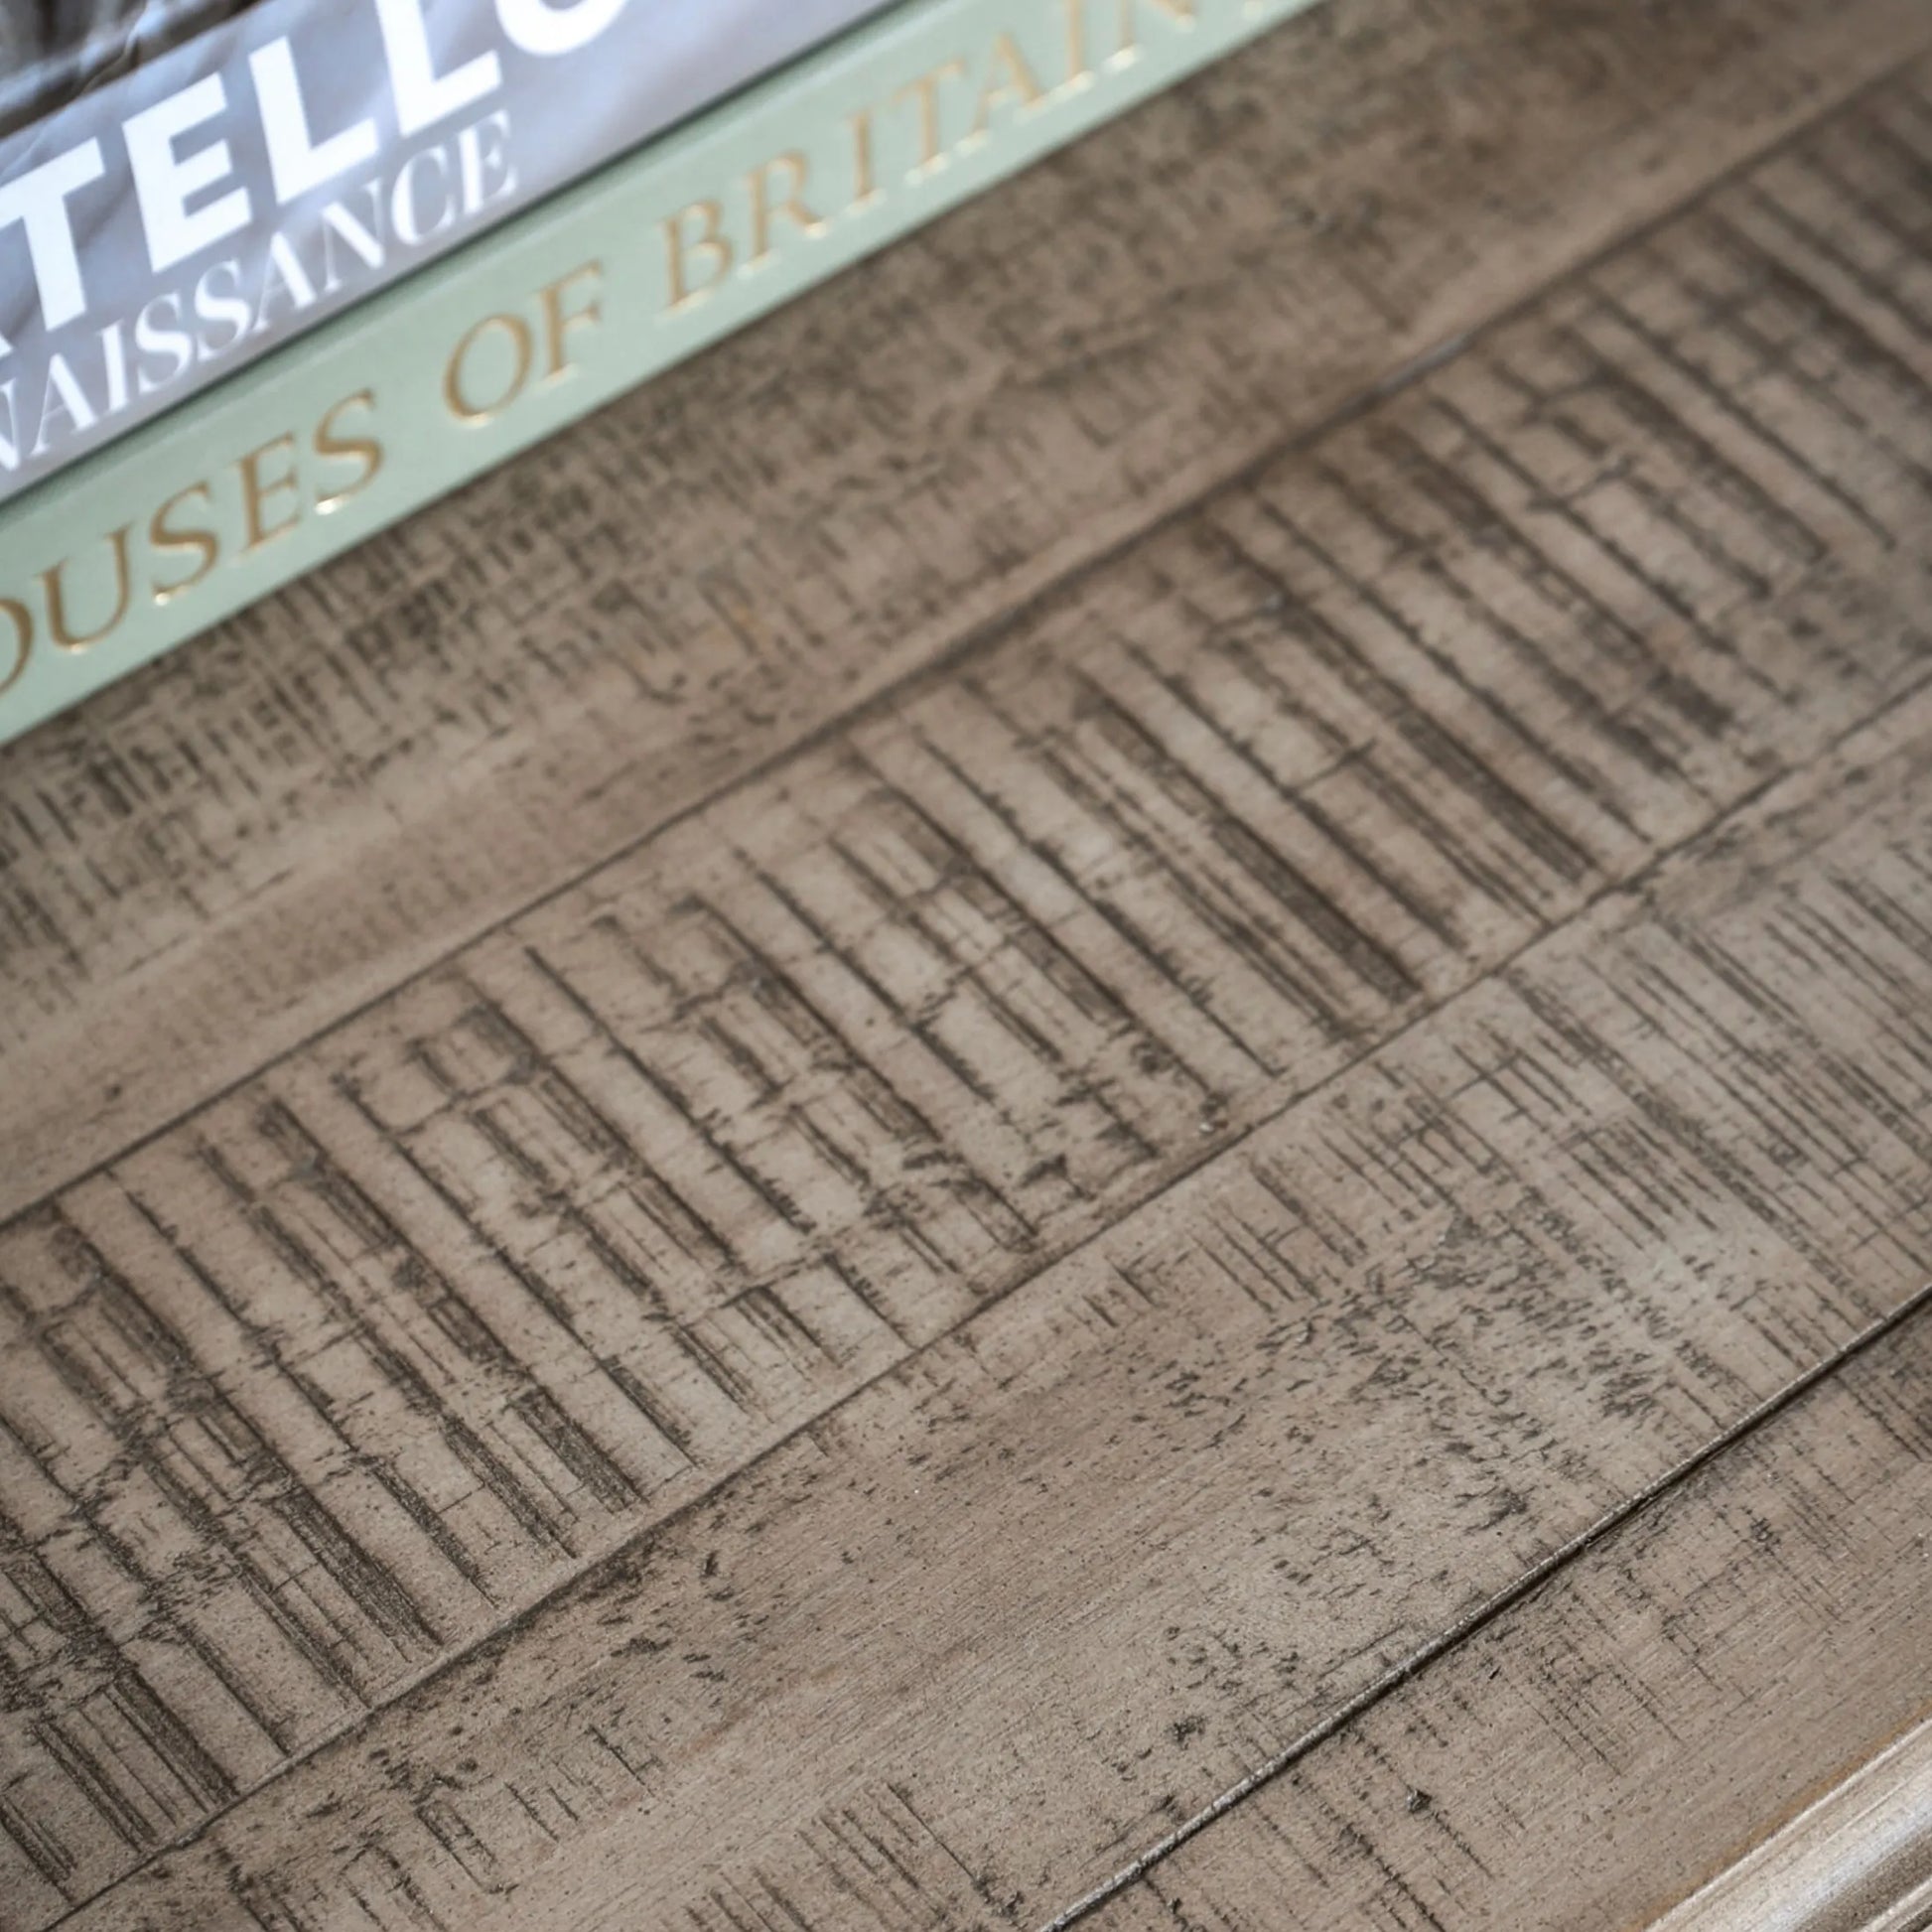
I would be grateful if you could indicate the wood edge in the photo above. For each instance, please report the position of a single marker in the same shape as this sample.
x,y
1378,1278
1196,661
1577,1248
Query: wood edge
x,y
1856,1858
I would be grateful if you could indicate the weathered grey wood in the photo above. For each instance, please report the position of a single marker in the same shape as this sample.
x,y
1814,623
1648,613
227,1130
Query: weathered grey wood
x,y
956,1651
1592,1755
262,833
1195,1148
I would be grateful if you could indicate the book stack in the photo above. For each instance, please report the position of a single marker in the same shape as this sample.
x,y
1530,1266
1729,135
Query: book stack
x,y
273,275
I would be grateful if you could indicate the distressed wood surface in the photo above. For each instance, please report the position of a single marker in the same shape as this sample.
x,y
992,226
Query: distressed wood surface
x,y
1589,1759
1348,1017
260,833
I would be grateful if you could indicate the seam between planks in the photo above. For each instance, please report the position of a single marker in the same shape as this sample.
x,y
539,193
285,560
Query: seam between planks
x,y
1486,1614
506,1632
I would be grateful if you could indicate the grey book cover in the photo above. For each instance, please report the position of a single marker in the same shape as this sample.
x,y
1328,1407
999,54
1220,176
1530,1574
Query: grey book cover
x,y
188,184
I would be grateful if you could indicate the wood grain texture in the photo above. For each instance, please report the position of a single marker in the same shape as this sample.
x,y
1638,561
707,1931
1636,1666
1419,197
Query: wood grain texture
x,y
1587,1759
956,1650
257,836
882,1349
888,1348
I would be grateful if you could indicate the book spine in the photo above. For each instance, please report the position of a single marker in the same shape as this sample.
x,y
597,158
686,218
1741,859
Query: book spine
x,y
176,222
477,356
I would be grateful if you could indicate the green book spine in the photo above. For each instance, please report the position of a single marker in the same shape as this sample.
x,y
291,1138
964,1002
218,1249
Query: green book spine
x,y
481,354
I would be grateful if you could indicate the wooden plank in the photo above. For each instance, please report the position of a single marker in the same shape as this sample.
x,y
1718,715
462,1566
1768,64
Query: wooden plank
x,y
263,833
1672,1694
1457,894
957,1651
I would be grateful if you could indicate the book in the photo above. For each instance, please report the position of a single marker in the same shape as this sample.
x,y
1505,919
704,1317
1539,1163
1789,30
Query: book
x,y
180,205
482,353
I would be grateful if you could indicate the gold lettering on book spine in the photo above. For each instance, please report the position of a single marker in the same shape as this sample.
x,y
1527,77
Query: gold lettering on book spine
x,y
865,178
708,243
711,240
1079,68
165,538
1177,13
52,583
793,167
258,492
571,303
456,392
332,445
1010,82
559,319
189,532
923,92
21,622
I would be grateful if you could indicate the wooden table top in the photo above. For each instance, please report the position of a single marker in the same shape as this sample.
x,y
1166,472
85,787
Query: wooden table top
x,y
1098,1089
